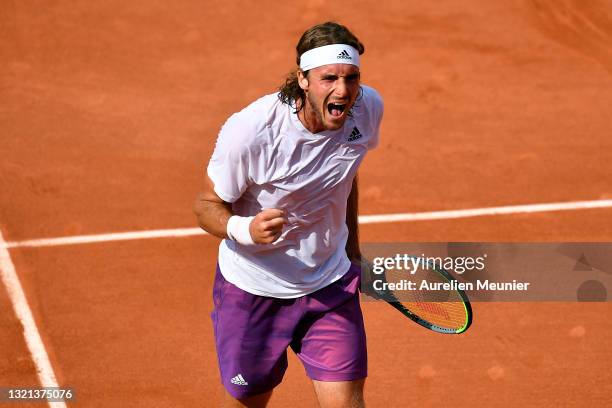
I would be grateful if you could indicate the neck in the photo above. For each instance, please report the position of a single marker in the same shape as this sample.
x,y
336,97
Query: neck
x,y
310,119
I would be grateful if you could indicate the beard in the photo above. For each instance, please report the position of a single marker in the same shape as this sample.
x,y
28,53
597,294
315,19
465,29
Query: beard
x,y
314,108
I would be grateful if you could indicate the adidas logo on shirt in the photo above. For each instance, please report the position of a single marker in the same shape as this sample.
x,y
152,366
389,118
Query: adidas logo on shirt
x,y
355,134
344,55
239,380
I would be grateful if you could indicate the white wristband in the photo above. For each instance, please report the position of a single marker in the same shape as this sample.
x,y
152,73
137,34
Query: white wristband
x,y
238,229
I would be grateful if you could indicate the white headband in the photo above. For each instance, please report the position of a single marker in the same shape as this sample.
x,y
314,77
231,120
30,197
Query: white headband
x,y
329,54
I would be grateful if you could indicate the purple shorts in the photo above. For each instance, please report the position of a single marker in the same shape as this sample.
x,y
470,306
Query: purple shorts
x,y
325,329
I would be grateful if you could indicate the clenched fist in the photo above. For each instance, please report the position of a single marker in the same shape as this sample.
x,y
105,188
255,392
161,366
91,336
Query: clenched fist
x,y
267,226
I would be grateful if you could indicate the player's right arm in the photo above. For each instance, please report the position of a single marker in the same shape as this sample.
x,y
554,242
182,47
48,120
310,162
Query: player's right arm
x,y
234,165
213,216
212,212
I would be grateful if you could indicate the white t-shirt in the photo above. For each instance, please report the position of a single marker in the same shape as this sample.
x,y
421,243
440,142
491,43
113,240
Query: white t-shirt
x,y
266,158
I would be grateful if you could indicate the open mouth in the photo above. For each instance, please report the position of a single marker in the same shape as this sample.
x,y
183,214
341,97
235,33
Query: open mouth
x,y
336,109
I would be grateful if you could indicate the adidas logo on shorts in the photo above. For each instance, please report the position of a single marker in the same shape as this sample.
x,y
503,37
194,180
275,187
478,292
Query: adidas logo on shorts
x,y
344,55
239,380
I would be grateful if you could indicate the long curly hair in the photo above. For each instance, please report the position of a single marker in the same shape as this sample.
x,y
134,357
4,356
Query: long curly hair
x,y
319,35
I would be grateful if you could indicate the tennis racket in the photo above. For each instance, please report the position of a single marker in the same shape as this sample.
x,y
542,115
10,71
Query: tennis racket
x,y
444,310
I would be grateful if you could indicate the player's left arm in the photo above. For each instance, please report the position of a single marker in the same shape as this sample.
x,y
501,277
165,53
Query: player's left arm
x,y
352,222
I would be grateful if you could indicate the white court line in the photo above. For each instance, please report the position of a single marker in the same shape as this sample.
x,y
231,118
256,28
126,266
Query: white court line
x,y
364,219
479,212
44,370
117,236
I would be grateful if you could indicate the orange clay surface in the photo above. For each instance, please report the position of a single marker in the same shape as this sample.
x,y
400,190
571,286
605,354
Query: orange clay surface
x,y
108,116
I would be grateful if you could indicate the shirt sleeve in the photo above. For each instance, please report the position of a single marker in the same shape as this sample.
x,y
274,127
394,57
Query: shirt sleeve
x,y
230,164
375,109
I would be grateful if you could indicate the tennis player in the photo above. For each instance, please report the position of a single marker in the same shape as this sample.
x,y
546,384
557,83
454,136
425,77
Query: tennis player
x,y
282,193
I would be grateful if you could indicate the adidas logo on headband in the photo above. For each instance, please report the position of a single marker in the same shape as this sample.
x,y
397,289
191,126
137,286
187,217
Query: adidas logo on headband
x,y
329,54
344,55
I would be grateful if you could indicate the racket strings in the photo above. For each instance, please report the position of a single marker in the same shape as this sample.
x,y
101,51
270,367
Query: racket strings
x,y
442,307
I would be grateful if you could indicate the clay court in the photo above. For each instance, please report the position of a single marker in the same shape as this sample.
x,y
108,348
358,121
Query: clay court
x,y
109,112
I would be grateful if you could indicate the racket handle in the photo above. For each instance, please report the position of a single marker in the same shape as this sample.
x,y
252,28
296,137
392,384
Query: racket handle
x,y
367,280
